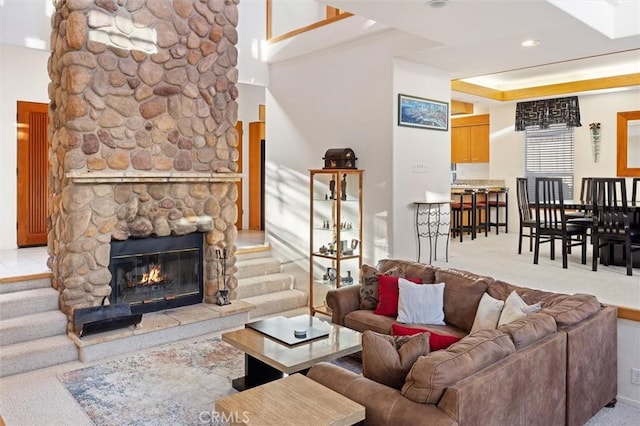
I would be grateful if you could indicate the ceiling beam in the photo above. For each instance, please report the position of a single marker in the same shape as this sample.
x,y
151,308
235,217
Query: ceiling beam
x,y
548,90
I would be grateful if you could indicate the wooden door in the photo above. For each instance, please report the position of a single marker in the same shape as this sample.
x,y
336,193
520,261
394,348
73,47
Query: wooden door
x,y
32,173
256,175
239,184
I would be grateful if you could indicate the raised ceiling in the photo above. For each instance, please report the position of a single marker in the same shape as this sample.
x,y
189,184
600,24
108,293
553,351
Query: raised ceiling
x,y
480,40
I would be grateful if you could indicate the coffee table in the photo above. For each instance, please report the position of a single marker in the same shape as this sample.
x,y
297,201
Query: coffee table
x,y
294,400
268,359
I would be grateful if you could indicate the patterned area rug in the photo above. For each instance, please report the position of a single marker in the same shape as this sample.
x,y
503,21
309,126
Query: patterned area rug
x,y
175,385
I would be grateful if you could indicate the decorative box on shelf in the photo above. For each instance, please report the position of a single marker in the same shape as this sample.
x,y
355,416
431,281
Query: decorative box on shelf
x,y
340,158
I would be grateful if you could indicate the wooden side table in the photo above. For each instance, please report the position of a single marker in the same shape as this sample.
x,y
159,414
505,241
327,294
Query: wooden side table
x,y
293,400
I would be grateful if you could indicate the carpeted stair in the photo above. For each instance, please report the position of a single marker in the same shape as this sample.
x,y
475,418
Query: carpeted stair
x,y
262,283
33,332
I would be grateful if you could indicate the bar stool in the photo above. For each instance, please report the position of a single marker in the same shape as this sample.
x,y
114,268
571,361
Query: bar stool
x,y
497,203
458,209
482,205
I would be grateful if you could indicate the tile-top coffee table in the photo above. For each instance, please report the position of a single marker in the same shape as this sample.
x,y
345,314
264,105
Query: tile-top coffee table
x,y
268,359
290,401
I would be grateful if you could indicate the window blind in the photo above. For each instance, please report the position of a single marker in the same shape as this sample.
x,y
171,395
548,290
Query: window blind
x,y
550,153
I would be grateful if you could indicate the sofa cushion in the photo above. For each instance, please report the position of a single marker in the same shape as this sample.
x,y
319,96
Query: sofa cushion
x,y
515,308
420,303
528,330
436,341
387,359
488,313
462,294
569,310
406,268
362,320
369,287
432,374
566,309
388,294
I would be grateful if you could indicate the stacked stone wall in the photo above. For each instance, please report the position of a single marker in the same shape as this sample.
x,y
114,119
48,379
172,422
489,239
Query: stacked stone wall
x,y
142,94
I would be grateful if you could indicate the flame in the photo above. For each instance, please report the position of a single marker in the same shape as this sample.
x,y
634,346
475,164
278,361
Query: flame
x,y
154,276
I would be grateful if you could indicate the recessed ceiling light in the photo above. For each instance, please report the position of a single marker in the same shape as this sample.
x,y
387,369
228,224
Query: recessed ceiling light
x,y
530,43
437,3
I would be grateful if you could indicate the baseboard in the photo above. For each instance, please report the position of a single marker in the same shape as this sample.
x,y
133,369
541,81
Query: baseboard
x,y
628,401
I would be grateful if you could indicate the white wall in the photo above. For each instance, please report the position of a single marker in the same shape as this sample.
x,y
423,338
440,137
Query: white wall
x,y
628,358
23,77
336,98
413,146
252,18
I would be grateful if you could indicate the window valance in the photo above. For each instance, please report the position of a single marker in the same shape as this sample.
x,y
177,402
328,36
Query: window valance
x,y
545,112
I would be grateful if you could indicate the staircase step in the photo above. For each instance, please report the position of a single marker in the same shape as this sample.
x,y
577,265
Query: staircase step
x,y
28,302
12,285
257,267
255,286
253,253
270,303
32,327
36,354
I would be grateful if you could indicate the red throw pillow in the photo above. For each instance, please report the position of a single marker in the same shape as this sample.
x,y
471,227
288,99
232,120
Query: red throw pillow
x,y
436,341
388,294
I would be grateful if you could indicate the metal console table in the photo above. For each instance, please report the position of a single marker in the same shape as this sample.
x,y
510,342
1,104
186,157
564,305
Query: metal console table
x,y
429,224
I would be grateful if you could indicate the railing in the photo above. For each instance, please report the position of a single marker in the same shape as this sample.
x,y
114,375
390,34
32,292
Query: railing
x,y
287,19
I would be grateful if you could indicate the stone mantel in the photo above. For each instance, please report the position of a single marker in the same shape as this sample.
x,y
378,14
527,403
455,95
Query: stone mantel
x,y
151,177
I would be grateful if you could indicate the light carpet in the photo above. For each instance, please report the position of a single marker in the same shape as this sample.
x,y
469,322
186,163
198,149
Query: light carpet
x,y
176,385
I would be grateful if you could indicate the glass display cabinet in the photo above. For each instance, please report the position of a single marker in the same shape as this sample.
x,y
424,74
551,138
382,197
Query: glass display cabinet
x,y
335,258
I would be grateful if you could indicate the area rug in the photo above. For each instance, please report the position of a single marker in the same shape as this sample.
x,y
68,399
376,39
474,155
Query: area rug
x,y
175,385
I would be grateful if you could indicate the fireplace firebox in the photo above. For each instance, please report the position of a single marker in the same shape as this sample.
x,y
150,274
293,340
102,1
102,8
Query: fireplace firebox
x,y
153,274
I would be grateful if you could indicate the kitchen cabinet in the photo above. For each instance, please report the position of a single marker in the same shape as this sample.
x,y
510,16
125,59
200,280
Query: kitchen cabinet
x,y
470,139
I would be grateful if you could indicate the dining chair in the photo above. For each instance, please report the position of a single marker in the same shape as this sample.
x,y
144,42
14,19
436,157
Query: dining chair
x,y
612,223
635,199
552,223
585,198
527,220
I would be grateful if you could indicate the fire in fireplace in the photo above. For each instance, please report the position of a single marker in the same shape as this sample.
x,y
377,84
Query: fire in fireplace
x,y
152,274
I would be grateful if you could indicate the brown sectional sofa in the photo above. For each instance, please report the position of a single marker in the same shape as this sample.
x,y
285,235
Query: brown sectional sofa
x,y
557,366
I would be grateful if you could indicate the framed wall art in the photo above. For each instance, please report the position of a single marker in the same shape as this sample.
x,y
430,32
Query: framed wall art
x,y
424,113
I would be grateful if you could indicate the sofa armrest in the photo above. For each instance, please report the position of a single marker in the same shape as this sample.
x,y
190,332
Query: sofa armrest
x,y
343,300
385,406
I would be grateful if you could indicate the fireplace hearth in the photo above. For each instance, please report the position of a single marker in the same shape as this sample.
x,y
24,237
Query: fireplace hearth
x,y
156,273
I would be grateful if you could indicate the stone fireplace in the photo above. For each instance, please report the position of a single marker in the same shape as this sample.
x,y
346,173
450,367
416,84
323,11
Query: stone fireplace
x,y
143,144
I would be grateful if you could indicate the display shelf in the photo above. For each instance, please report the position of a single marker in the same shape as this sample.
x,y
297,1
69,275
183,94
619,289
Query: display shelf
x,y
335,256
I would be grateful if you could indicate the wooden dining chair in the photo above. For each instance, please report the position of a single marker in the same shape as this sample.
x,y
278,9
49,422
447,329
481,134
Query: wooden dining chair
x,y
635,198
527,221
585,198
612,223
552,223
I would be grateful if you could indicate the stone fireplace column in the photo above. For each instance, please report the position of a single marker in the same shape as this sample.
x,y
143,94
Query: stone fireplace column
x,y
143,144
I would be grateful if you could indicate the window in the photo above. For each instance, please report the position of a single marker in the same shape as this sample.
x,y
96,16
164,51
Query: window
x,y
550,153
